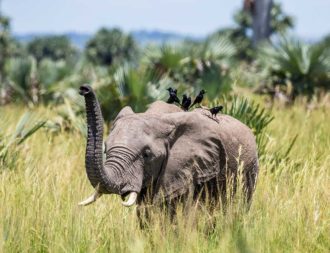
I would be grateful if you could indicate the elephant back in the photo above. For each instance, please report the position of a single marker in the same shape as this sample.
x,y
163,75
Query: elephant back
x,y
160,107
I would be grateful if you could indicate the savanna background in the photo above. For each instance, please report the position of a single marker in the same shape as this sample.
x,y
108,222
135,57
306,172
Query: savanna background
x,y
270,71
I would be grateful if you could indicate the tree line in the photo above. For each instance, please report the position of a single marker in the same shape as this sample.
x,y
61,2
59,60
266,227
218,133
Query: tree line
x,y
255,52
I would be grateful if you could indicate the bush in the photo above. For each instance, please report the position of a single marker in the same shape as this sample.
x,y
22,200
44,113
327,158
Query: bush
x,y
128,86
203,65
22,78
305,67
110,46
10,143
52,47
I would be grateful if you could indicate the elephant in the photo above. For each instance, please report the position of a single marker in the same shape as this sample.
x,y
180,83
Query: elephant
x,y
166,153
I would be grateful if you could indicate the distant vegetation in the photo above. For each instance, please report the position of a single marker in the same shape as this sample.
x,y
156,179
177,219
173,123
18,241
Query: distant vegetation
x,y
51,47
142,37
110,46
46,69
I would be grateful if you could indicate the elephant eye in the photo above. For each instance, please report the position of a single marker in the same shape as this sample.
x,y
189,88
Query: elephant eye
x,y
147,154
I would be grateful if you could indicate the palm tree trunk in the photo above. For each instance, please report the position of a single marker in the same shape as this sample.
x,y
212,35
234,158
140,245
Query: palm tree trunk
x,y
261,20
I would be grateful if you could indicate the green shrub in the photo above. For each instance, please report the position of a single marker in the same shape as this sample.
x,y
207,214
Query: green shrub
x,y
203,65
110,46
32,82
127,86
51,47
10,143
22,78
305,67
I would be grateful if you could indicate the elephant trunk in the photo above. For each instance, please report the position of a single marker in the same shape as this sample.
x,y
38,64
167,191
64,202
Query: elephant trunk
x,y
94,161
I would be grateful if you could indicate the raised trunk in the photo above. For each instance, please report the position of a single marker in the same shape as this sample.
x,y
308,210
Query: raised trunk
x,y
94,161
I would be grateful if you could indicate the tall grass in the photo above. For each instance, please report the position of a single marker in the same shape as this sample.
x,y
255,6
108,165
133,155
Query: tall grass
x,y
9,144
289,213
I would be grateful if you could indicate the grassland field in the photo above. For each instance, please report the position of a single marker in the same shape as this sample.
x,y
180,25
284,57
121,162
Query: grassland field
x,y
290,210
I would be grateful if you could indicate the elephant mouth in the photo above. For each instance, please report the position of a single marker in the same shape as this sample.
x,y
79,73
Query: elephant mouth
x,y
131,198
123,196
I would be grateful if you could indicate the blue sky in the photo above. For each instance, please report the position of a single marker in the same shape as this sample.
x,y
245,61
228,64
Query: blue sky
x,y
192,17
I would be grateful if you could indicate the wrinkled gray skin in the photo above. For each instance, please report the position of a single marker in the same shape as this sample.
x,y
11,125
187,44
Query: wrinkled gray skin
x,y
167,153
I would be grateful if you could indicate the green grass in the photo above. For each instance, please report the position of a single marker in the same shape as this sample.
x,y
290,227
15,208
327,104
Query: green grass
x,y
290,210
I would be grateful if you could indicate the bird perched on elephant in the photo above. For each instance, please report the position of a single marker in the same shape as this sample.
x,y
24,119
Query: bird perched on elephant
x,y
165,153
186,101
172,96
214,111
199,98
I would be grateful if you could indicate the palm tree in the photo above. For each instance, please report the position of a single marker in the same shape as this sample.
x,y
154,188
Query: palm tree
x,y
303,66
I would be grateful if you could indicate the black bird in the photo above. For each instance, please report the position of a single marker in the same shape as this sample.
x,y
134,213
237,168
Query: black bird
x,y
186,101
199,98
171,90
215,110
173,97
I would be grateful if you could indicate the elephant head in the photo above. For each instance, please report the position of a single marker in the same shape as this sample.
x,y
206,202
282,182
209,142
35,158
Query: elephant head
x,y
135,153
163,151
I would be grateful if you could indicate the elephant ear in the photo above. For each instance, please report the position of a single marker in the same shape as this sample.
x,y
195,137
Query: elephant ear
x,y
197,155
127,110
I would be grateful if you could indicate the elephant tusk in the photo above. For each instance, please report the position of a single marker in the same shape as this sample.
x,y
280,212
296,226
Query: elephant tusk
x,y
91,198
131,199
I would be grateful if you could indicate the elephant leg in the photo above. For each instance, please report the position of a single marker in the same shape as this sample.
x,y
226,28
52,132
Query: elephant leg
x,y
212,193
170,207
223,195
211,199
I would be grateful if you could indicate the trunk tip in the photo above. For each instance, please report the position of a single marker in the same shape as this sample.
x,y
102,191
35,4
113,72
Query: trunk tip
x,y
85,89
